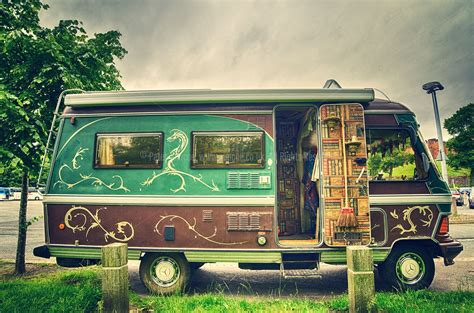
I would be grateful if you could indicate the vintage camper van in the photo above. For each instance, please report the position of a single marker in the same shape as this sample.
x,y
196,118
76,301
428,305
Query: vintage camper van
x,y
268,179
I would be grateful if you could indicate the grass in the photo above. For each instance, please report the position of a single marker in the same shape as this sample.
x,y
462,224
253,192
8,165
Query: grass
x,y
50,289
408,170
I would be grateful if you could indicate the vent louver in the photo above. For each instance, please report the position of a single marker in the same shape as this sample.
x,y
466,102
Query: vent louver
x,y
207,216
243,221
245,180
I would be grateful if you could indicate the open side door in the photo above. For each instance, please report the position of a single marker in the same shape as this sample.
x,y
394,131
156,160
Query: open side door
x,y
344,188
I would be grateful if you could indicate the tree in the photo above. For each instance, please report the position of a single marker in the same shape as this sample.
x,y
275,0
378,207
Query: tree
x,y
461,145
386,164
36,64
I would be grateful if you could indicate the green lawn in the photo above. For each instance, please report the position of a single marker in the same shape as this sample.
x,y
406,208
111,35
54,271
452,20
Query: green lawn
x,y
408,170
50,289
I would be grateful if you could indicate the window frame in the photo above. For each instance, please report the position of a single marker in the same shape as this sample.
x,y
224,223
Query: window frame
x,y
149,133
413,140
235,133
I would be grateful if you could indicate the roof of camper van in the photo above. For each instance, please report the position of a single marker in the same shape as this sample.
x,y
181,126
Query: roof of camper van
x,y
188,97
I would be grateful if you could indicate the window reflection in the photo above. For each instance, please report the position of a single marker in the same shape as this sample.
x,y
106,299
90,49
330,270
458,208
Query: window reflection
x,y
138,150
228,149
391,156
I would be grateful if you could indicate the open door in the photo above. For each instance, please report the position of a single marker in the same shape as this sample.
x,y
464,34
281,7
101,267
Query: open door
x,y
344,188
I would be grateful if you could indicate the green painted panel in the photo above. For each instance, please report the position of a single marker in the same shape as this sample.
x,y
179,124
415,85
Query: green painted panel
x,y
339,256
86,253
74,172
233,257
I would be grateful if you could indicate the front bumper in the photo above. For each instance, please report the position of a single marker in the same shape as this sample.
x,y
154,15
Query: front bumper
x,y
42,252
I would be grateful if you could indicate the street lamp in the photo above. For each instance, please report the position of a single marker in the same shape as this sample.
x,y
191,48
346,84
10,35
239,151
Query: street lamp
x,y
431,88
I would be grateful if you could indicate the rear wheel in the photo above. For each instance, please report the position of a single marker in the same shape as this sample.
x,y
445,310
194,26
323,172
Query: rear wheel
x,y
408,268
165,274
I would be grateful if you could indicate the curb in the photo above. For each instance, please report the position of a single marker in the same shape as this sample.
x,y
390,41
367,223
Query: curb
x,y
461,219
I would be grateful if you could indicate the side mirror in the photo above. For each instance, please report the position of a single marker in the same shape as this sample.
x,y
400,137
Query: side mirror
x,y
426,162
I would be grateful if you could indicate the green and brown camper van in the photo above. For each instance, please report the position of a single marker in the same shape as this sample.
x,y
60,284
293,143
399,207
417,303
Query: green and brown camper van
x,y
268,179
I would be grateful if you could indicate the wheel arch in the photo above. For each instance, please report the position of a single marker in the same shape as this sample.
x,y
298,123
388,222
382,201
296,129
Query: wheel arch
x,y
428,244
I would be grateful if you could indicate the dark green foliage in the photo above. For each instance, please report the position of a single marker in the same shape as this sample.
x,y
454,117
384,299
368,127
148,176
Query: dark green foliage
x,y
461,145
36,64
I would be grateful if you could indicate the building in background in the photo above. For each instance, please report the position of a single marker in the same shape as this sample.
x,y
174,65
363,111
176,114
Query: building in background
x,y
456,180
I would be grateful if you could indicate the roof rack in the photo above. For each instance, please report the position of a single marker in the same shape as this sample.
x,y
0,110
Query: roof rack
x,y
238,96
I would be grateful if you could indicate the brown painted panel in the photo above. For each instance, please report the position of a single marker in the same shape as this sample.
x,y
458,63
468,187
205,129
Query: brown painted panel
x,y
397,187
263,121
378,225
406,221
143,226
380,120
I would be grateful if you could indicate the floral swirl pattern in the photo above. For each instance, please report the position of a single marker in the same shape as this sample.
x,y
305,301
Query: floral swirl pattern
x,y
95,181
80,219
192,228
425,211
180,136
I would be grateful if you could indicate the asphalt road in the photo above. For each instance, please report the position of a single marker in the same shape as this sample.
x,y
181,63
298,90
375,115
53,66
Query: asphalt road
x,y
229,279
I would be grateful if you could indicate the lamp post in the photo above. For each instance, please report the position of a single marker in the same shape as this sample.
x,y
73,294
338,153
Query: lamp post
x,y
431,88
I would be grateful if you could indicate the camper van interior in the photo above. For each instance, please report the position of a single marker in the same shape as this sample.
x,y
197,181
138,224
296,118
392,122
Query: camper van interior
x,y
297,175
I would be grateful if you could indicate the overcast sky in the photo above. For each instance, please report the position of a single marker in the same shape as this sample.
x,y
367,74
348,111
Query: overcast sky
x,y
395,46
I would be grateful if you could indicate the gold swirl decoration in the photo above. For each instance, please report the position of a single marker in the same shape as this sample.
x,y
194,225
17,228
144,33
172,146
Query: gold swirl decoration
x,y
81,219
425,211
180,136
192,228
95,181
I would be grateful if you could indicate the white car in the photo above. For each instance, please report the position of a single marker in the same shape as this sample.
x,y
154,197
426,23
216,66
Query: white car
x,y
34,194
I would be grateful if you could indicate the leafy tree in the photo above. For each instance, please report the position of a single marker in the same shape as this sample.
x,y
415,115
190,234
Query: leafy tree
x,y
378,163
461,145
36,64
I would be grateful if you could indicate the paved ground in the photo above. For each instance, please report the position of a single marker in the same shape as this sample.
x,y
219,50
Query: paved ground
x,y
229,279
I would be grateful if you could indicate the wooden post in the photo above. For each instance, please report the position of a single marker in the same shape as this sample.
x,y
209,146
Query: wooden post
x,y
454,206
360,278
115,278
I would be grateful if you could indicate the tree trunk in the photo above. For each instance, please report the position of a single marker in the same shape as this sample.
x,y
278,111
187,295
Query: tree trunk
x,y
22,226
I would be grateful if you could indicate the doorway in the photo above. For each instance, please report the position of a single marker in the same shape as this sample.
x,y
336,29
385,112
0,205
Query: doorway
x,y
297,175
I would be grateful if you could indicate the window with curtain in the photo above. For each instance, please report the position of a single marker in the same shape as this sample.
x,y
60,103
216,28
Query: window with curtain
x,y
129,150
228,149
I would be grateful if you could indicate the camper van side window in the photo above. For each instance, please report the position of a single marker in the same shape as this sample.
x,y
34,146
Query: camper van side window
x,y
391,156
129,150
228,150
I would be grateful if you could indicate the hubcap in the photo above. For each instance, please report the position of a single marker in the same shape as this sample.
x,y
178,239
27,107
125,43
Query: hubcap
x,y
410,268
165,271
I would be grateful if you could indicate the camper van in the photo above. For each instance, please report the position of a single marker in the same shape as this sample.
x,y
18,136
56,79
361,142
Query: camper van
x,y
269,179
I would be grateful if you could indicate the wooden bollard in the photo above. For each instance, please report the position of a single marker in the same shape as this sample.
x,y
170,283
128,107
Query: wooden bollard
x,y
454,206
360,278
115,278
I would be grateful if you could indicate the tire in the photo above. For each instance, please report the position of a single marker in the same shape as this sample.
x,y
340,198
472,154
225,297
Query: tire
x,y
407,268
165,273
196,265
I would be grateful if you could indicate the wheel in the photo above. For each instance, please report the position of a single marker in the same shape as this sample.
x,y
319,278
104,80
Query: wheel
x,y
407,268
37,198
165,273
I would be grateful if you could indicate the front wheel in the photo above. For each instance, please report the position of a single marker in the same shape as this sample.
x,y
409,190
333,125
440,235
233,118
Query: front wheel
x,y
164,273
408,268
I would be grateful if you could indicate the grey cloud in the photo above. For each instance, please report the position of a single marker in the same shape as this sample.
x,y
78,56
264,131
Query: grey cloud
x,y
395,46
